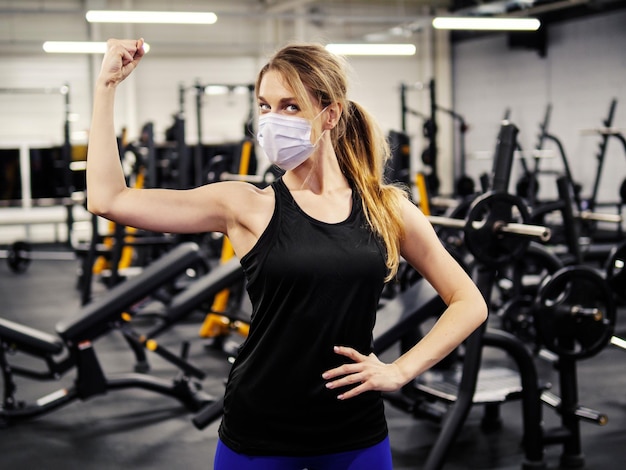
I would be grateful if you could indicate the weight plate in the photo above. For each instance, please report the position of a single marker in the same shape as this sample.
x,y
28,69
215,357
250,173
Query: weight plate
x,y
18,257
574,312
523,276
616,271
516,317
481,235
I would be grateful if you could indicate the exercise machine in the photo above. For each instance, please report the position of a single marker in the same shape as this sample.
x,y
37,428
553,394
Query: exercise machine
x,y
200,296
464,185
495,238
73,347
572,312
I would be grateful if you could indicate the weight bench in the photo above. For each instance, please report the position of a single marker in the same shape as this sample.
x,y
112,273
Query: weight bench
x,y
196,296
29,340
73,347
221,277
101,315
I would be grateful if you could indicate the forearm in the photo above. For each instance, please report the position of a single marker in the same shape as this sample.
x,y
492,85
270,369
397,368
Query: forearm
x,y
451,329
105,177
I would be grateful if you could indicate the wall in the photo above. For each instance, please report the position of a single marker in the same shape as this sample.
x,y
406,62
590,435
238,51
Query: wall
x,y
583,71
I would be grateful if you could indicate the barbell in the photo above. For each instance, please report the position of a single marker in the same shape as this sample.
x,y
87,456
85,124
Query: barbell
x,y
574,313
495,229
599,217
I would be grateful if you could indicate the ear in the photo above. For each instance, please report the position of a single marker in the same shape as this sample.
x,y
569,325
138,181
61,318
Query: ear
x,y
332,115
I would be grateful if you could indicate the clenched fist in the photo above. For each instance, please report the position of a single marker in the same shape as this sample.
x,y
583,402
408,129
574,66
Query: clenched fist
x,y
120,59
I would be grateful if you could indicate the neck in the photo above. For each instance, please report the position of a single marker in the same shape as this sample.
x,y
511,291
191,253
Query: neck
x,y
320,173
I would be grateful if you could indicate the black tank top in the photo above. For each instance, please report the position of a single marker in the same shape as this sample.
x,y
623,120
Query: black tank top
x,y
312,285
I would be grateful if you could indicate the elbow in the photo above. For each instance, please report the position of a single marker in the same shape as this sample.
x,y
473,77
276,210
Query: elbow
x,y
101,201
94,208
482,311
97,210
97,206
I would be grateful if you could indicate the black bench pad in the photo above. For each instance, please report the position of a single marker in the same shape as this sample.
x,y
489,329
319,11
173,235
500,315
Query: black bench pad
x,y
97,317
29,339
221,277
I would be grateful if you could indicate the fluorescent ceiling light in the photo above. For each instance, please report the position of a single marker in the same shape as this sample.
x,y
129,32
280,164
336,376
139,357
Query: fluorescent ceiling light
x,y
216,90
79,47
486,24
226,89
154,17
372,49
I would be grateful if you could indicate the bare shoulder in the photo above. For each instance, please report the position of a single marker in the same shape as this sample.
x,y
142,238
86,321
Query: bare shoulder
x,y
248,212
411,214
418,231
246,195
235,194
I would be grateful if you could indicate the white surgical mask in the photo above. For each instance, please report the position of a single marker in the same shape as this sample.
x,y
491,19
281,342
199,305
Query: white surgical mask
x,y
286,140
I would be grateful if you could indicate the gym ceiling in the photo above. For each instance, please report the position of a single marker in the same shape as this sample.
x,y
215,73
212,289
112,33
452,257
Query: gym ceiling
x,y
251,27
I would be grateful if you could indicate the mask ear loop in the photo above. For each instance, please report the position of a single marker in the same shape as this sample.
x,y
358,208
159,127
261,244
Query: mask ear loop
x,y
323,131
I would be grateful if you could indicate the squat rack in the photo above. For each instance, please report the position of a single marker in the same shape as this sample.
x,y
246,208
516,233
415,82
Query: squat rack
x,y
188,160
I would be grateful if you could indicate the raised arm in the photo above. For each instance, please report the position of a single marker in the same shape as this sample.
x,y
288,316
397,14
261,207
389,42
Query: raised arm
x,y
210,208
105,178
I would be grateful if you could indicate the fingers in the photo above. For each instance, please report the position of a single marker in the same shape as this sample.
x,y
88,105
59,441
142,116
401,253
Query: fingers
x,y
353,392
346,368
365,373
359,373
349,353
130,50
120,59
133,46
357,379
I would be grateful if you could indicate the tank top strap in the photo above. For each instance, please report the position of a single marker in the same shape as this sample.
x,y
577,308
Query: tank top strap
x,y
286,204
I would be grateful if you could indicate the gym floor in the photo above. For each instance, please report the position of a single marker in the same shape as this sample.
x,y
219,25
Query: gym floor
x,y
143,430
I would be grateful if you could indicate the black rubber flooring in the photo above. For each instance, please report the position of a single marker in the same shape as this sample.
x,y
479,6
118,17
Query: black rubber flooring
x,y
141,429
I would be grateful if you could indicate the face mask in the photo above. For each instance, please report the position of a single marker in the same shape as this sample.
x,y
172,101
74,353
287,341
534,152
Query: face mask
x,y
286,140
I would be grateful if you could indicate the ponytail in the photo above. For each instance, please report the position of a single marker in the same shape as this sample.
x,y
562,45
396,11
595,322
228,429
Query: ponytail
x,y
362,151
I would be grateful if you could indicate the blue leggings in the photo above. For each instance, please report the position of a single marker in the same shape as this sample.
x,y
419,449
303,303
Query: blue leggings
x,y
377,456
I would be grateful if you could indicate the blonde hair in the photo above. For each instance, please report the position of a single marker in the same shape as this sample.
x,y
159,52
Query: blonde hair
x,y
362,149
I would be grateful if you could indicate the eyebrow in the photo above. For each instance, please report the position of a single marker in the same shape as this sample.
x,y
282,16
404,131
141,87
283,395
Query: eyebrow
x,y
290,99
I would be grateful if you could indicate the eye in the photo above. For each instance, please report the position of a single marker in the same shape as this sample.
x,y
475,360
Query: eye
x,y
292,108
264,108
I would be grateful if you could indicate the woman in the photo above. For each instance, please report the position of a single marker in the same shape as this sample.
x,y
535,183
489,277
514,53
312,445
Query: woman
x,y
317,247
